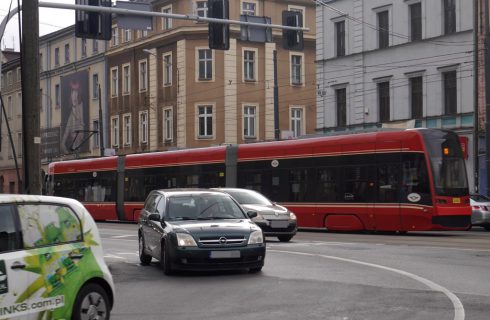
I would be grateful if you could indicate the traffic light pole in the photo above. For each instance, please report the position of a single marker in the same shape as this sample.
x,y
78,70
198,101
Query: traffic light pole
x,y
31,98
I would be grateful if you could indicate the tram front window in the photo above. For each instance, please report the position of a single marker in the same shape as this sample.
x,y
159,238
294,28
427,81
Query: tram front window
x,y
448,167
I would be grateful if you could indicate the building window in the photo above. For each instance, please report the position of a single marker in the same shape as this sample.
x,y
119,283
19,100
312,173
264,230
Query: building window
x,y
340,38
114,82
84,48
127,129
20,145
205,64
57,96
202,8
167,69
167,22
205,121
115,36
144,33
416,96
450,93
297,121
96,136
95,46
127,35
10,107
384,101
95,86
57,57
9,78
19,103
249,121
144,127
67,53
168,124
249,65
341,102
449,16
296,69
18,74
115,131
143,78
41,64
126,79
249,8
383,29
415,21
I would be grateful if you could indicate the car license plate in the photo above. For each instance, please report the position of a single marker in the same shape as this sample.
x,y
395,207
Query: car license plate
x,y
224,254
456,200
279,224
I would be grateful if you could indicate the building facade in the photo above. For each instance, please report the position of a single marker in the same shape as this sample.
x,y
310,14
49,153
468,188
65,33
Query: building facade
x,y
399,64
10,153
168,90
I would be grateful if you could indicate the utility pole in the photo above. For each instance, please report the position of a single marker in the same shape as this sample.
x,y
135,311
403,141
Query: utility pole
x,y
276,100
101,125
31,161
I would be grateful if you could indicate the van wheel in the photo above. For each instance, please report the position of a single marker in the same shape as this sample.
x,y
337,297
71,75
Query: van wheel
x,y
165,260
91,303
145,259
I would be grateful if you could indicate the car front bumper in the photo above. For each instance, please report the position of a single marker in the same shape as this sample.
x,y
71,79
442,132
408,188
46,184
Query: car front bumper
x,y
270,231
480,218
198,258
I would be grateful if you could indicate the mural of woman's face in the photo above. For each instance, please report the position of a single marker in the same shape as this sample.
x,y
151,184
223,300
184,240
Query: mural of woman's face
x,y
74,97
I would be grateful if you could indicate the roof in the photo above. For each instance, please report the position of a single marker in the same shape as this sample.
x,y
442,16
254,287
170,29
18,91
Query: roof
x,y
22,198
186,191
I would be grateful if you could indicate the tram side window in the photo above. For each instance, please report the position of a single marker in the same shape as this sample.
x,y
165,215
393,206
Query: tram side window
x,y
279,191
388,182
358,185
415,177
85,187
252,181
328,186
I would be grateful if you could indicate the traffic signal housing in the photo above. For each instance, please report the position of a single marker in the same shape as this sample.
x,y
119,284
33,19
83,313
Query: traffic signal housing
x,y
93,25
292,39
219,33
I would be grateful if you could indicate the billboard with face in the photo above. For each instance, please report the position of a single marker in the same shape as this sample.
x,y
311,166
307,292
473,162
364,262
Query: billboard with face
x,y
75,113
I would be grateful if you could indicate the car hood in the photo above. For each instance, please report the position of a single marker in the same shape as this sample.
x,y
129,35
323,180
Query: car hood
x,y
216,227
267,210
476,203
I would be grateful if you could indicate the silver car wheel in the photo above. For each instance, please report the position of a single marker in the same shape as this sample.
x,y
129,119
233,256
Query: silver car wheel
x,y
93,307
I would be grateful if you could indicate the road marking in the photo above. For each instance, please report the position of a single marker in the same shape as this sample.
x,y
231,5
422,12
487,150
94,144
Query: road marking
x,y
109,256
123,236
128,253
459,313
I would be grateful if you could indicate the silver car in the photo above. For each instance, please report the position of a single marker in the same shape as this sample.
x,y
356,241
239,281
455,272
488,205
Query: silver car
x,y
480,215
273,219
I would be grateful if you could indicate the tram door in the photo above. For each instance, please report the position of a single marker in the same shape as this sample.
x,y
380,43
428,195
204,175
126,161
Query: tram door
x,y
387,206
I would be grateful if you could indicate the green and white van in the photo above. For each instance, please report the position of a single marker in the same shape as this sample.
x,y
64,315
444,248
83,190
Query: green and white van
x,y
51,261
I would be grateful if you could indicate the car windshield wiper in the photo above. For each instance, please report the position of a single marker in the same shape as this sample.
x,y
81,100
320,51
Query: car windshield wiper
x,y
183,218
207,208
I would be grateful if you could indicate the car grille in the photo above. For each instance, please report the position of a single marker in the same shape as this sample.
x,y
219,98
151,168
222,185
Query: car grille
x,y
222,241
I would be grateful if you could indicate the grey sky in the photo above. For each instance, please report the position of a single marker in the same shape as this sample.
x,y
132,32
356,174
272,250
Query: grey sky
x,y
50,20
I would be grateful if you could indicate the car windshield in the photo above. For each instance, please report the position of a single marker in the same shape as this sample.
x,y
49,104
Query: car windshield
x,y
249,197
203,207
480,198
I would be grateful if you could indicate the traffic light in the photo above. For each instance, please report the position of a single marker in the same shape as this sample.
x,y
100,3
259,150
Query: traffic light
x,y
291,39
93,25
219,33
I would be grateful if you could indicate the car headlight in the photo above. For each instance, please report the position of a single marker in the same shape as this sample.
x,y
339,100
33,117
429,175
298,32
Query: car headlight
x,y
292,216
185,240
256,237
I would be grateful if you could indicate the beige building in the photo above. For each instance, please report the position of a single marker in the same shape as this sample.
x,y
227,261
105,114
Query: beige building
x,y
12,99
168,90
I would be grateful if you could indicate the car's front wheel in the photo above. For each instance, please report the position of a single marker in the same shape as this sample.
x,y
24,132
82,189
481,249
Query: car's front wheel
x,y
145,259
284,238
165,260
91,303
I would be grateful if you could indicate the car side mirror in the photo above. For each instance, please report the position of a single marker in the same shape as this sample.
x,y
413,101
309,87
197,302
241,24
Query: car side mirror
x,y
252,214
154,217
